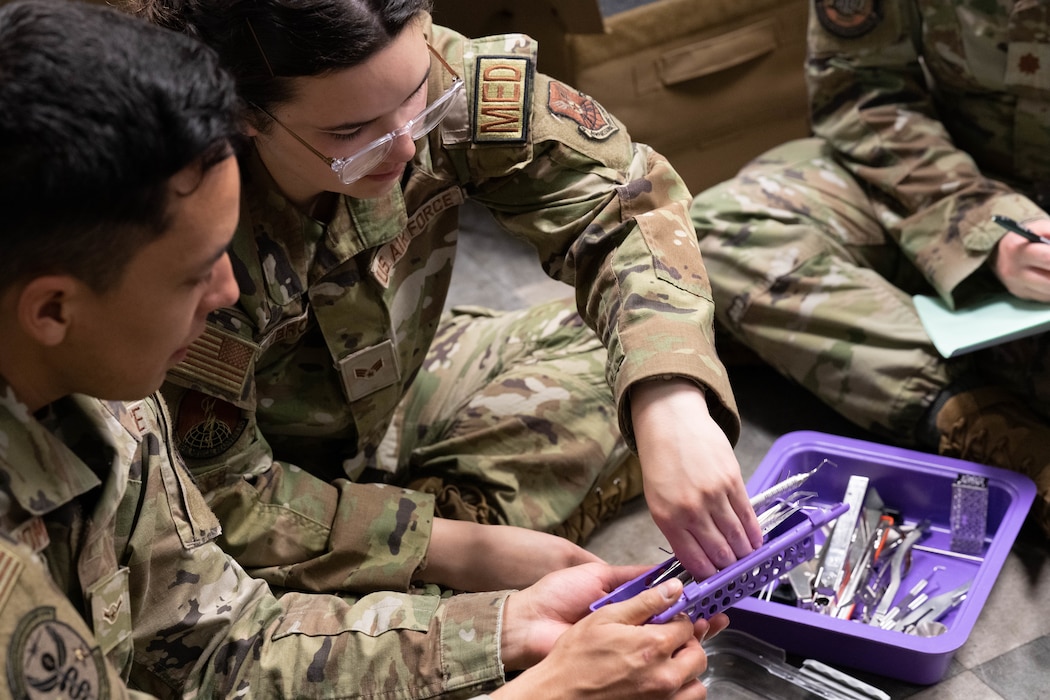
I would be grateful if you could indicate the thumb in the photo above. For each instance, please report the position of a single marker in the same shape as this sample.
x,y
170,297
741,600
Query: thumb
x,y
652,601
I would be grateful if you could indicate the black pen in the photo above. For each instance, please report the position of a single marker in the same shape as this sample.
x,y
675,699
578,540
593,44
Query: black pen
x,y
1011,225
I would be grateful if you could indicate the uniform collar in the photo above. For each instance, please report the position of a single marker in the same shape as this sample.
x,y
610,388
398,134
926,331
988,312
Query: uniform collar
x,y
40,471
280,251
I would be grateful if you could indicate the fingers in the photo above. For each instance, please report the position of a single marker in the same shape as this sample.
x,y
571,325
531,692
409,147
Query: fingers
x,y
747,518
1023,267
693,690
639,609
687,663
686,546
704,547
703,630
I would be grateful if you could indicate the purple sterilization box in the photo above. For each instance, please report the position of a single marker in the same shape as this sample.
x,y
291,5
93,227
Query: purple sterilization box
x,y
919,486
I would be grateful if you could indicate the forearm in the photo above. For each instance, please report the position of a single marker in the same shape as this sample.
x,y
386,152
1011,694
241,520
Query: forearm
x,y
652,297
467,556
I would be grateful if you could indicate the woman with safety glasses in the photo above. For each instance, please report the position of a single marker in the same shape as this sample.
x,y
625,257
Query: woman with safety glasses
x,y
336,378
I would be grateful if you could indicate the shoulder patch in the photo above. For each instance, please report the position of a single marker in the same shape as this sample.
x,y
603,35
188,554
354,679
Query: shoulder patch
x,y
205,426
591,118
502,89
48,658
10,569
849,19
219,360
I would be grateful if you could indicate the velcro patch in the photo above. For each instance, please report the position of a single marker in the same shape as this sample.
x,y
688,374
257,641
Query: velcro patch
x,y
369,370
205,426
49,658
591,118
219,360
33,534
849,19
503,85
388,255
10,569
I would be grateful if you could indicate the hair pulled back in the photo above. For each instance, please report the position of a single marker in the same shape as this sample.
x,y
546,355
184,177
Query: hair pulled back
x,y
264,43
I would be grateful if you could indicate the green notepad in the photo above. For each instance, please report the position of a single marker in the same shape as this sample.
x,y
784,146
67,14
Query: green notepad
x,y
991,320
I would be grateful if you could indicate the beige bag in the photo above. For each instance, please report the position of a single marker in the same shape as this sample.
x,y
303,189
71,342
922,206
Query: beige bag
x,y
708,83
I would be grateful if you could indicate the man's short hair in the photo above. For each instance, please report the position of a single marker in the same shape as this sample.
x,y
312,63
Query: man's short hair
x,y
98,110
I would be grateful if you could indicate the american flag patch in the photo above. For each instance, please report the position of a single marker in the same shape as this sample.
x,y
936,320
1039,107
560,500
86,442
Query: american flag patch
x,y
219,360
10,569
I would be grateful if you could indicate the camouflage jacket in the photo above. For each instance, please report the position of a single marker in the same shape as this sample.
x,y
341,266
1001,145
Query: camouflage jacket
x,y
940,107
335,320
109,580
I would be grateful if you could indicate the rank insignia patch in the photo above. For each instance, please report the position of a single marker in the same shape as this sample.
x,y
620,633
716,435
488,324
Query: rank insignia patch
x,y
848,18
369,370
501,99
590,117
1028,64
48,658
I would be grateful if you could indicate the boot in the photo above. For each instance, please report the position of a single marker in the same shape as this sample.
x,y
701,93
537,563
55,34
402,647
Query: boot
x,y
603,502
989,425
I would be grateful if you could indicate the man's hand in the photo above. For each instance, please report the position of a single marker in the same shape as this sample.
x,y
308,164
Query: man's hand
x,y
472,557
610,653
692,479
1022,266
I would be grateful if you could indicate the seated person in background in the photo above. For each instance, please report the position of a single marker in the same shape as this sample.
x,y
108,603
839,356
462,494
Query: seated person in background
x,y
336,373
929,118
120,197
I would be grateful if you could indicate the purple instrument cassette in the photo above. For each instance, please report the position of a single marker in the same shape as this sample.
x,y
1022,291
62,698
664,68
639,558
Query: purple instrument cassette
x,y
789,544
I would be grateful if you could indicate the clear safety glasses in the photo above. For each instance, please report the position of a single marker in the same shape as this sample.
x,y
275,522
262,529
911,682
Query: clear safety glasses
x,y
353,167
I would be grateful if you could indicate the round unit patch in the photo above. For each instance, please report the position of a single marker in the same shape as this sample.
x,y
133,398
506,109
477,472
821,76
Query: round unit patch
x,y
49,659
848,18
205,427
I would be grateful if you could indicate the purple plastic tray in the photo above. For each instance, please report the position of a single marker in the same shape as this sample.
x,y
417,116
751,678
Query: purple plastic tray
x,y
919,485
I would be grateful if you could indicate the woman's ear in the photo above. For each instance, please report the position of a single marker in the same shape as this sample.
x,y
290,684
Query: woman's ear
x,y
45,308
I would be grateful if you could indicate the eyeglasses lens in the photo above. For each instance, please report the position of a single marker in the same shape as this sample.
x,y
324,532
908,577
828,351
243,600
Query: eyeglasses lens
x,y
363,162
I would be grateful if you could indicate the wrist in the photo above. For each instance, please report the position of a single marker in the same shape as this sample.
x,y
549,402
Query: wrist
x,y
514,644
667,391
443,563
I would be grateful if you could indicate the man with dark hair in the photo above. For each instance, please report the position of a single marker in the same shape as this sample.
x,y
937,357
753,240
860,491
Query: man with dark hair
x,y
120,198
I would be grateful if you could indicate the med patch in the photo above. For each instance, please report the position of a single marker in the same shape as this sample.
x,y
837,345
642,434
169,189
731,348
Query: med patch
x,y
502,97
849,19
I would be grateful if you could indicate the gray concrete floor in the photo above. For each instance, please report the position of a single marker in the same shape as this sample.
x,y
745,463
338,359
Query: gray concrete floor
x,y
1007,655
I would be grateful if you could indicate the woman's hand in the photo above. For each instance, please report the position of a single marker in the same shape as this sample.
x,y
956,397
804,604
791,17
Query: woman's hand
x,y
692,478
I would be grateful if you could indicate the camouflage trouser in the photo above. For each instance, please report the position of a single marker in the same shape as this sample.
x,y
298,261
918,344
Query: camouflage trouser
x,y
513,407
805,275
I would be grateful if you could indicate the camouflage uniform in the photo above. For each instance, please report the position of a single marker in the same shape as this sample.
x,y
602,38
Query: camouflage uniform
x,y
109,577
337,359
816,247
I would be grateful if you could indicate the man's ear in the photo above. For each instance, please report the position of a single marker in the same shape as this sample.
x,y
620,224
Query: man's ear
x,y
45,307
